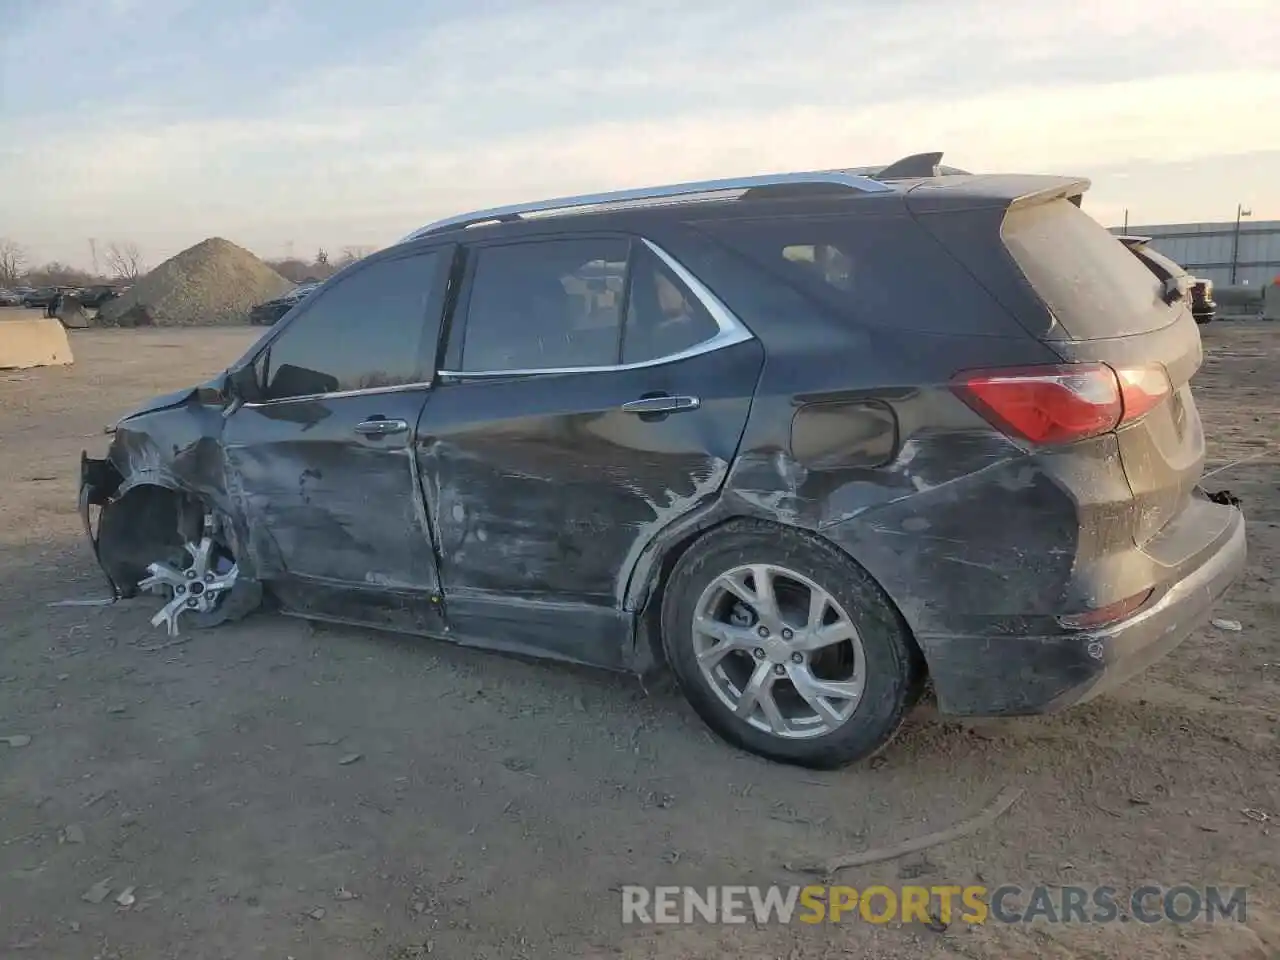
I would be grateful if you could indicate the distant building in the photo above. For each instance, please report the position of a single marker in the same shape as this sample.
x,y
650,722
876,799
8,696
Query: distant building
x,y
1208,249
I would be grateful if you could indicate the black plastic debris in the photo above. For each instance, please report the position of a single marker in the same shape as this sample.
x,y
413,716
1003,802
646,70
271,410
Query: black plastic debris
x,y
1226,498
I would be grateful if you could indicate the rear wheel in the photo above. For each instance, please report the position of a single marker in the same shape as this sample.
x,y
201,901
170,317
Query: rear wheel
x,y
787,648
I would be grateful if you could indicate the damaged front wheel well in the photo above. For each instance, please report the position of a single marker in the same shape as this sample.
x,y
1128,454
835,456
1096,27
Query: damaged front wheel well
x,y
146,523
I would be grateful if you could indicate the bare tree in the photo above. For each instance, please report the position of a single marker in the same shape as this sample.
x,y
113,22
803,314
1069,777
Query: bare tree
x,y
55,274
13,262
125,260
351,254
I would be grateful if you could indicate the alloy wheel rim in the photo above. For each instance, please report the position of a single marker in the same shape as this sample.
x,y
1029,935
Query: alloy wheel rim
x,y
206,576
779,651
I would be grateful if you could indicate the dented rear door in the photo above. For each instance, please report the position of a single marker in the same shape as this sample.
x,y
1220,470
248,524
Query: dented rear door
x,y
552,451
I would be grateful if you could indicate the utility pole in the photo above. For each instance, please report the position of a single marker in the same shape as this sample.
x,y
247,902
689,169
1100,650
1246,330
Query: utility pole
x,y
93,254
1235,242
1126,220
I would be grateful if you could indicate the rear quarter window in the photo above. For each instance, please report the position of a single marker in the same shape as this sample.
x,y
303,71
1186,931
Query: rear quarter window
x,y
1094,286
884,270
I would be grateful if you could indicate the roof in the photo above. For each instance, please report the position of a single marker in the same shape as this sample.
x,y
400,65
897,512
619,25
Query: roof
x,y
923,171
881,178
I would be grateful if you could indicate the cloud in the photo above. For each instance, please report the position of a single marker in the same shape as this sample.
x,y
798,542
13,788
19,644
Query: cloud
x,y
361,141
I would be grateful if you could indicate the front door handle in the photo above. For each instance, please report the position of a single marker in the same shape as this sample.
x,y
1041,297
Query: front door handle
x,y
381,427
661,403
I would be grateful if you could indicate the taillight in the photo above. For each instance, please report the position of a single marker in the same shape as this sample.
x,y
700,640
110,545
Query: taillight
x,y
1050,405
1046,405
1142,389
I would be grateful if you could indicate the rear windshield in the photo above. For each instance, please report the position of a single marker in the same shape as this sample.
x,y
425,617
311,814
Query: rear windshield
x,y
1092,283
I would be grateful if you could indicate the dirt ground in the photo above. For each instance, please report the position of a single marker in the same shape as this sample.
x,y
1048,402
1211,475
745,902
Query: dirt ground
x,y
495,806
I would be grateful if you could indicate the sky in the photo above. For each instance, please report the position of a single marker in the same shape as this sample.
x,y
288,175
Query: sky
x,y
290,125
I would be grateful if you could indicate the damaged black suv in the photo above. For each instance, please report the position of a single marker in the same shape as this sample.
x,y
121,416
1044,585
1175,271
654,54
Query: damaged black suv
x,y
807,439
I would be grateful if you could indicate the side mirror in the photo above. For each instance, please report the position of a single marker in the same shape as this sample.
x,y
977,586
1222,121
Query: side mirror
x,y
242,384
215,392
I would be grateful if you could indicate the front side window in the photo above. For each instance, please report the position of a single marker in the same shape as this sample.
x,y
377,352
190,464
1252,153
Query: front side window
x,y
363,332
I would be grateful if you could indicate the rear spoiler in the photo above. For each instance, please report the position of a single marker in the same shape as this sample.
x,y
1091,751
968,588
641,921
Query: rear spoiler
x,y
1072,189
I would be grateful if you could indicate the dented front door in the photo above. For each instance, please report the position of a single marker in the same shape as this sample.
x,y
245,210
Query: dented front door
x,y
329,489
320,458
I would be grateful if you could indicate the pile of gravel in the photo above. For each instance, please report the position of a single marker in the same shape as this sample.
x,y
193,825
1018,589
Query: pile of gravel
x,y
213,282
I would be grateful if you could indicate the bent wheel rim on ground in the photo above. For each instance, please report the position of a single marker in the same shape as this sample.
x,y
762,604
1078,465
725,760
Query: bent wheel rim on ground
x,y
198,583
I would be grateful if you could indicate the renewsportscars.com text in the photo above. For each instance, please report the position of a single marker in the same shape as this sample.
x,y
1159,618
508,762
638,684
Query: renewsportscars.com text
x,y
1008,903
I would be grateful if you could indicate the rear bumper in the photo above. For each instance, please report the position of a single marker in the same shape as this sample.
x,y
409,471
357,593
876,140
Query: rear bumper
x,y
1017,675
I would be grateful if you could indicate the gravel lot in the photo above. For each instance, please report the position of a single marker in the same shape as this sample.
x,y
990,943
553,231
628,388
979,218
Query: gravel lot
x,y
494,806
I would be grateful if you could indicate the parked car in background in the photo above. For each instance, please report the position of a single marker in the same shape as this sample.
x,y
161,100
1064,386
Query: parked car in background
x,y
10,298
41,296
808,439
266,314
95,296
1176,277
44,296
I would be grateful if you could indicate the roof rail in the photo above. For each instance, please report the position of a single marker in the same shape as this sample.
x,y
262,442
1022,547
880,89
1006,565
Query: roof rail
x,y
675,191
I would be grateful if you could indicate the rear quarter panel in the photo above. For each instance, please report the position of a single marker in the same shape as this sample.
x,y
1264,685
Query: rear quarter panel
x,y
951,517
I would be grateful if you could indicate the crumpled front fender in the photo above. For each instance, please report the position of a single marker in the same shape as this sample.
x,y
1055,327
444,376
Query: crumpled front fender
x,y
160,461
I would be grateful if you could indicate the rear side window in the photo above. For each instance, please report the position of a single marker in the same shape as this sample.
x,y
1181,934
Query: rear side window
x,y
362,332
546,305
886,271
663,317
1093,285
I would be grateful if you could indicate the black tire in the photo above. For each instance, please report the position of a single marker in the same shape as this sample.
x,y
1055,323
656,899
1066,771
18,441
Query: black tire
x,y
895,671
244,597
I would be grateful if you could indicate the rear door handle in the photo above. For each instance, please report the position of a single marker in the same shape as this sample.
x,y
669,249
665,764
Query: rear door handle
x,y
661,404
381,427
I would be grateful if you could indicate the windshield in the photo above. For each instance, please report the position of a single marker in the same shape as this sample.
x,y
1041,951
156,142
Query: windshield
x,y
1093,285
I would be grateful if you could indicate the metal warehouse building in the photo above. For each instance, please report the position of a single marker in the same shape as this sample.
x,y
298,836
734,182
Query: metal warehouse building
x,y
1216,251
